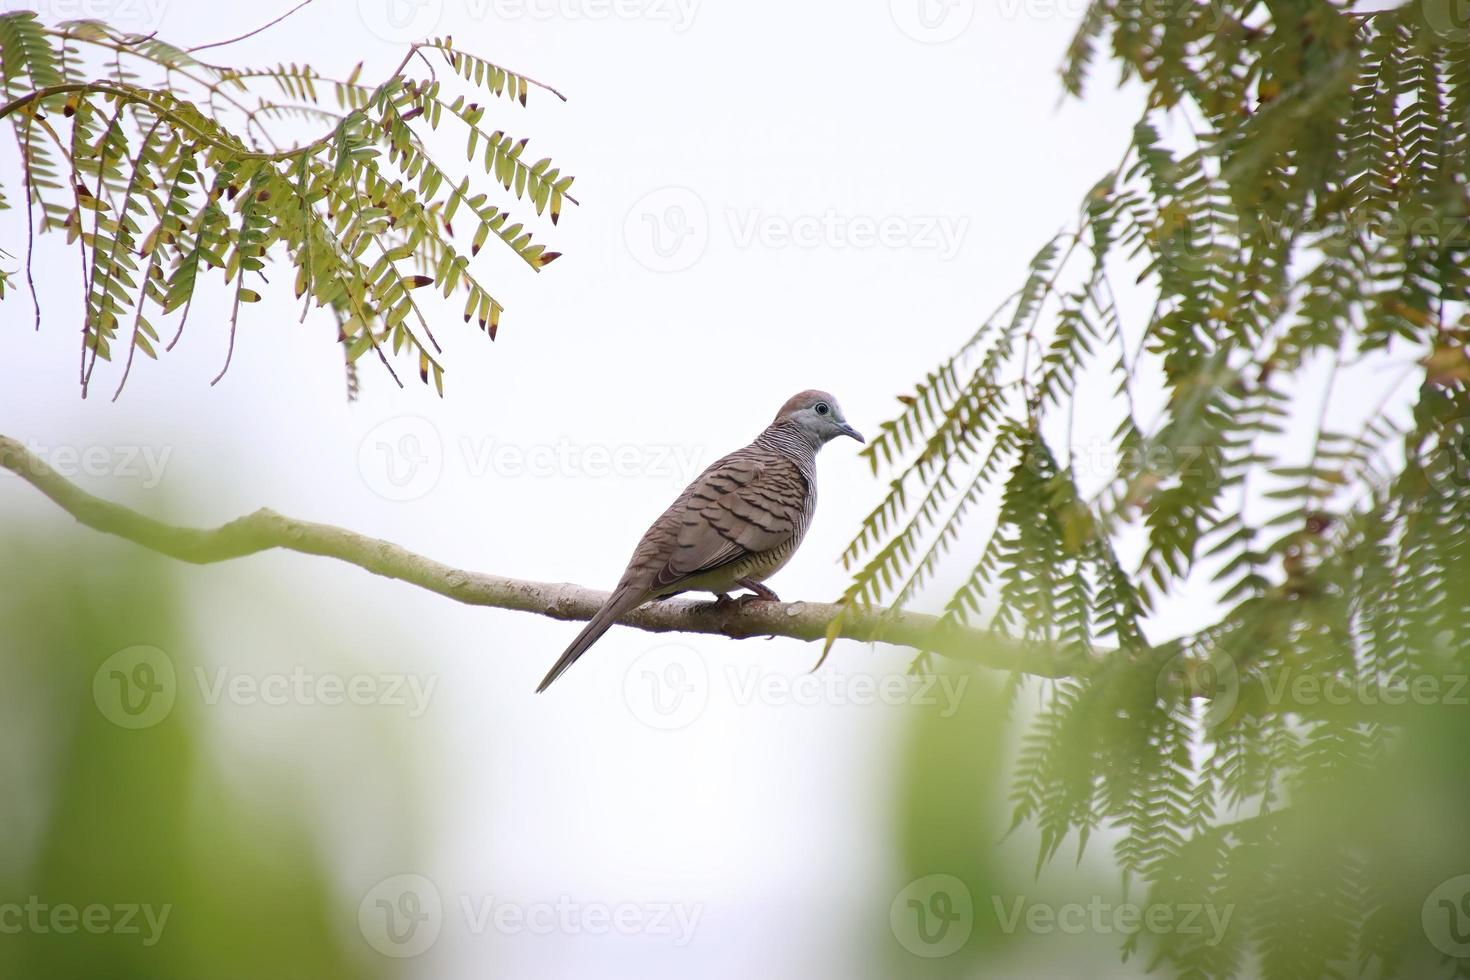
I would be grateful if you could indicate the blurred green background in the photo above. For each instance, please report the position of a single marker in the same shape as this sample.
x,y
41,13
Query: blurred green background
x,y
156,851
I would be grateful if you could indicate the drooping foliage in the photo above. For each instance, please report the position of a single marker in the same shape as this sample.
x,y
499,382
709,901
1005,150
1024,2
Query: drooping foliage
x,y
1284,427
164,182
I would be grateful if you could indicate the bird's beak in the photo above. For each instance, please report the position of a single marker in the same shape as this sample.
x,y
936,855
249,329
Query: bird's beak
x,y
848,430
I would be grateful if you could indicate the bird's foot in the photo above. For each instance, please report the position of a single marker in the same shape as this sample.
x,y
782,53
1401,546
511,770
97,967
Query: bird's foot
x,y
758,591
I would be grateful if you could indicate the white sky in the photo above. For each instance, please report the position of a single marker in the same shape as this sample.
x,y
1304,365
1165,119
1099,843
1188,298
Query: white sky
x,y
726,128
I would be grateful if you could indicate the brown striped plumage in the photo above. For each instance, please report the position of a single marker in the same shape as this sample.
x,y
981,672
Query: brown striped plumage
x,y
736,525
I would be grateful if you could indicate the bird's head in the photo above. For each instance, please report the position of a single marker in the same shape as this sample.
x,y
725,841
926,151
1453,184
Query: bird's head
x,y
818,416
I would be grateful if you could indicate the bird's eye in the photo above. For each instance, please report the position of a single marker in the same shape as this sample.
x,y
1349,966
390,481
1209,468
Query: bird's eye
x,y
822,408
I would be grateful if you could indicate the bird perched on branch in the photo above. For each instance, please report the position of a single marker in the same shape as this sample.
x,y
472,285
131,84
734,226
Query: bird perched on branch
x,y
735,526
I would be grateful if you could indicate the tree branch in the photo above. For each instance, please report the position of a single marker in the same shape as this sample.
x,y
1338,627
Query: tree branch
x,y
263,27
265,530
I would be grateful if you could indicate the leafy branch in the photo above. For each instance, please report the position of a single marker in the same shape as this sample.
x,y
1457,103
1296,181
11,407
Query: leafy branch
x,y
1292,204
162,184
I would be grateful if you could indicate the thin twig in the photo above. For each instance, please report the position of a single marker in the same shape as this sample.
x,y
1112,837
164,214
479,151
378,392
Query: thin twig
x,y
265,27
31,197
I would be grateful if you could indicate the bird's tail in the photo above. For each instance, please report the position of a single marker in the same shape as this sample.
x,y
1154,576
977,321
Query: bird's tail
x,y
623,599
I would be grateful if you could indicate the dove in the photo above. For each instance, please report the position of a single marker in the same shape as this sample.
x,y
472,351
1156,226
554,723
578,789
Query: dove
x,y
735,526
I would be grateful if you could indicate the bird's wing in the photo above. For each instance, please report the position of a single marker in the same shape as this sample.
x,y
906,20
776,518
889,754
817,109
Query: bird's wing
x,y
742,505
750,502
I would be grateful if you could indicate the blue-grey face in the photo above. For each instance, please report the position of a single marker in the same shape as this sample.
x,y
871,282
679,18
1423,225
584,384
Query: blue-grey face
x,y
818,413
